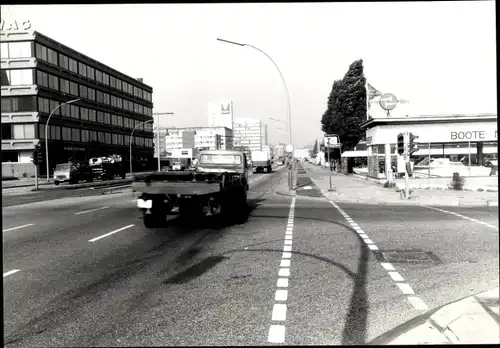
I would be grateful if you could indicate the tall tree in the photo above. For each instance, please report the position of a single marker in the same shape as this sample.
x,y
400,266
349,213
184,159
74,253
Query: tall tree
x,y
346,108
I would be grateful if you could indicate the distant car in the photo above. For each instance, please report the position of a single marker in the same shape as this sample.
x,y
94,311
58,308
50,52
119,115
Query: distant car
x,y
177,166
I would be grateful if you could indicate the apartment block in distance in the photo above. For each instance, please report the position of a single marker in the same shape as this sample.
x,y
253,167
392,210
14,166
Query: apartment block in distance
x,y
250,133
205,138
39,75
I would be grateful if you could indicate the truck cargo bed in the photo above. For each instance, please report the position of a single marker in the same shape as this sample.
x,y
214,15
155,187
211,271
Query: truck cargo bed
x,y
178,183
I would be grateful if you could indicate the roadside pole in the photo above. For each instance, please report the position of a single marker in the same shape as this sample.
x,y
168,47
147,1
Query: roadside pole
x,y
329,164
36,177
407,165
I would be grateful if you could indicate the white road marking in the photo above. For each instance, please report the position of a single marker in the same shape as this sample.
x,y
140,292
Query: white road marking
x,y
110,233
396,277
279,312
281,295
10,272
405,288
282,283
89,211
462,216
387,266
285,263
307,188
284,272
417,303
276,334
17,227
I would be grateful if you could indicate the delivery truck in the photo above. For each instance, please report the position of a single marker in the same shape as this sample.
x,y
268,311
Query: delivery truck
x,y
261,162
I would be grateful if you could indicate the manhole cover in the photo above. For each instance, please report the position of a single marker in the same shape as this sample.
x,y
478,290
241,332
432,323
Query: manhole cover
x,y
408,256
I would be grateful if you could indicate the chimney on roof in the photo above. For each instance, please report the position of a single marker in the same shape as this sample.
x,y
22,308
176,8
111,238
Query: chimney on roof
x,y
140,79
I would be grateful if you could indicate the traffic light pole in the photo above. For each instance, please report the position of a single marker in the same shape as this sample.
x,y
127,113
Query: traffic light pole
x,y
407,164
36,177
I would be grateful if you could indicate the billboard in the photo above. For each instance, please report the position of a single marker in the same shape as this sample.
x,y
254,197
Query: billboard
x,y
220,114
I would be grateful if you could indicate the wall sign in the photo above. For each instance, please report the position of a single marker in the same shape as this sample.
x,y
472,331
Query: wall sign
x,y
14,25
473,135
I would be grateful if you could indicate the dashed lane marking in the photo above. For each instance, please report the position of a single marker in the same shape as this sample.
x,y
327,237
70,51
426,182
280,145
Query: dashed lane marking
x,y
17,227
110,233
406,289
462,216
277,332
91,210
10,272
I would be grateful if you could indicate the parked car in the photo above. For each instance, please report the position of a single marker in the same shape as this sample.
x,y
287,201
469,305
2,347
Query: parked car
x,y
72,173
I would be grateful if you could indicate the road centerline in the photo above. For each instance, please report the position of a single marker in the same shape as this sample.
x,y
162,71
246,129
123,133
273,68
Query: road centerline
x,y
110,233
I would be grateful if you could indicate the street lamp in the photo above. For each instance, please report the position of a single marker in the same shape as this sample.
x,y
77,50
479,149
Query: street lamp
x,y
130,141
282,78
46,133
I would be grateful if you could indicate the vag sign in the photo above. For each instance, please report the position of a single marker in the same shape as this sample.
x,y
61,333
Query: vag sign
x,y
14,25
225,110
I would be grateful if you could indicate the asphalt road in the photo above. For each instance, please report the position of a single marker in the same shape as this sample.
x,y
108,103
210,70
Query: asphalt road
x,y
205,283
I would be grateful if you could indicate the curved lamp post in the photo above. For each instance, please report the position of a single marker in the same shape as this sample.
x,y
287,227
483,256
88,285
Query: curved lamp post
x,y
46,133
282,78
130,141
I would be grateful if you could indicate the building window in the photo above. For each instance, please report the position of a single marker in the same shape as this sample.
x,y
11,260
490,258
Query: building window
x,y
19,104
52,56
66,133
115,139
64,85
63,61
16,50
75,134
119,84
105,79
114,121
107,118
139,93
84,114
107,138
83,91
119,121
43,105
112,81
17,77
65,110
54,132
120,139
53,82
100,117
24,131
42,78
93,136
119,103
130,89
125,104
90,72
73,88
74,111
100,137
91,94
100,97
106,98
82,69
98,75
73,65
140,109
85,135
41,51
92,115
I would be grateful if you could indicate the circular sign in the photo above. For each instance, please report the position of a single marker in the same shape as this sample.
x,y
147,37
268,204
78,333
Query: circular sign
x,y
388,101
289,148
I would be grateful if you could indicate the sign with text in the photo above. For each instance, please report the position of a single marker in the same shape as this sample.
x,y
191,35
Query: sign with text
x,y
331,140
13,25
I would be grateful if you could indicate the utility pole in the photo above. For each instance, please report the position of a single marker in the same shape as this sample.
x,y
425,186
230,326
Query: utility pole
x,y
329,165
407,163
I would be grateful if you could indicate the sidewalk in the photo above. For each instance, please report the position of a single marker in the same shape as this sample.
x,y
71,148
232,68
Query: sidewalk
x,y
473,320
350,188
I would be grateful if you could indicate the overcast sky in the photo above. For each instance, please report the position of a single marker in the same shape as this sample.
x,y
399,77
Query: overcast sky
x,y
439,56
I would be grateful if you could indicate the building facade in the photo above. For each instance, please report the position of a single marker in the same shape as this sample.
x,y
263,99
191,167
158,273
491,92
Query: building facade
x,y
207,138
40,76
469,140
250,133
220,114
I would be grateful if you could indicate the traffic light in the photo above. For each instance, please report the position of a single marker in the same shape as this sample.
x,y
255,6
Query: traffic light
x,y
401,144
35,157
413,144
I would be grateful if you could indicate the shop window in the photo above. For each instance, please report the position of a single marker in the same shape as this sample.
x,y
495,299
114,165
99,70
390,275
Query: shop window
x,y
63,61
92,115
64,85
73,88
24,131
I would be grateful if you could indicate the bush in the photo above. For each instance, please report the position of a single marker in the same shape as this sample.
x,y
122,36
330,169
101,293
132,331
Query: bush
x,y
25,174
389,184
457,183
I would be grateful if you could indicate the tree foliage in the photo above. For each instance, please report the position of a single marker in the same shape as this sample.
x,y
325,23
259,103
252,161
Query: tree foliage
x,y
346,107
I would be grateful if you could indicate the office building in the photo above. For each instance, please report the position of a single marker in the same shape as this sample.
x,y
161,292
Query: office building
x,y
250,132
205,138
220,114
40,76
